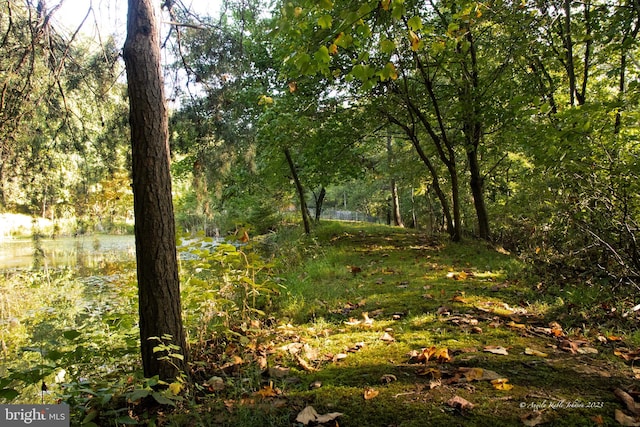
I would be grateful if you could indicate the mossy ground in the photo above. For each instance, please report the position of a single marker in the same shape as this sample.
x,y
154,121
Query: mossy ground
x,y
420,292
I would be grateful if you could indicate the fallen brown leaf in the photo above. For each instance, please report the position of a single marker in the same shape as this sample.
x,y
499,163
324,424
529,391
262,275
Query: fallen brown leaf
x,y
214,384
629,402
496,349
267,391
460,403
625,420
627,354
339,357
370,393
279,371
433,372
386,337
310,415
388,378
304,364
442,355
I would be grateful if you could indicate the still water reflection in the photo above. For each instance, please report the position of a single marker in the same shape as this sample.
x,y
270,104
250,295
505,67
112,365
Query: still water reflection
x,y
83,251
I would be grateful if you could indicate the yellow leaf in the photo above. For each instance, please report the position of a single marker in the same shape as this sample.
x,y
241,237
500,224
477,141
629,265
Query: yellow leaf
x,y
532,352
265,100
515,325
175,388
415,40
501,384
297,11
432,372
442,355
474,374
333,49
385,4
267,391
293,86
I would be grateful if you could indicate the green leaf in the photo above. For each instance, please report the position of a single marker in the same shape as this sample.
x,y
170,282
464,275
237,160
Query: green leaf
x,y
162,399
322,55
136,395
90,416
415,23
361,72
365,9
388,72
8,393
397,9
387,46
71,334
54,355
326,4
125,419
302,62
325,21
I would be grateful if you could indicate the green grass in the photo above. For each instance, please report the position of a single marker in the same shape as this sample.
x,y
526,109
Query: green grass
x,y
427,292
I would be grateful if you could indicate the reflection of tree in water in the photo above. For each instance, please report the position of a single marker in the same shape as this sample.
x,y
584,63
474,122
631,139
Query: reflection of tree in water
x,y
81,256
38,252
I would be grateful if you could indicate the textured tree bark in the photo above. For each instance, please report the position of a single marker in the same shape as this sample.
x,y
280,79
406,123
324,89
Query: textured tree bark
x,y
157,266
306,220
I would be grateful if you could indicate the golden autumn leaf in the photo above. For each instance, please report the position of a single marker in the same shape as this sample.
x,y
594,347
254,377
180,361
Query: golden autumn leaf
x,y
370,393
442,355
385,4
415,40
473,374
515,325
533,352
333,49
501,384
293,86
432,372
176,388
267,391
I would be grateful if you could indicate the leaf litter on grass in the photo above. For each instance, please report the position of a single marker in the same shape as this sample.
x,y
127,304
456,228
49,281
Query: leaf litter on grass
x,y
512,362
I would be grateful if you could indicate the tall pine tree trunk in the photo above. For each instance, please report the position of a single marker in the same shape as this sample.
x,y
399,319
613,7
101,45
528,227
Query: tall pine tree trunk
x,y
157,266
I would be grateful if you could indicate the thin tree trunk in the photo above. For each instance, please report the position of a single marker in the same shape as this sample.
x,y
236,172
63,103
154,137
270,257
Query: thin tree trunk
x,y
157,266
395,198
319,202
306,220
472,129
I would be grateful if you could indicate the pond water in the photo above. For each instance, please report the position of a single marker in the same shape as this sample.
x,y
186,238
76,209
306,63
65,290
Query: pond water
x,y
82,251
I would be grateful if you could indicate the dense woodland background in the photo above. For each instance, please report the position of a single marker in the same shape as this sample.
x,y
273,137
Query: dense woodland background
x,y
515,122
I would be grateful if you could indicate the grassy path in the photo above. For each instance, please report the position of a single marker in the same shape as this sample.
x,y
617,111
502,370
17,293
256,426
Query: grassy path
x,y
385,327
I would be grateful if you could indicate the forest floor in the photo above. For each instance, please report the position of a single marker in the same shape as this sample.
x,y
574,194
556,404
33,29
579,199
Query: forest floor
x,y
382,326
